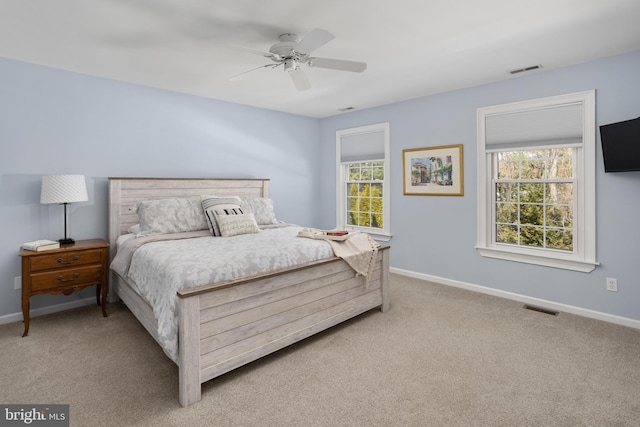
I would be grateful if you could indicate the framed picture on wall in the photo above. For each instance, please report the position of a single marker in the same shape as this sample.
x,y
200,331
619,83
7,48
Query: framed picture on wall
x,y
433,171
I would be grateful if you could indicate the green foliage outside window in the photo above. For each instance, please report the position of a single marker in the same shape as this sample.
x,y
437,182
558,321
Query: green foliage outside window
x,y
534,198
364,194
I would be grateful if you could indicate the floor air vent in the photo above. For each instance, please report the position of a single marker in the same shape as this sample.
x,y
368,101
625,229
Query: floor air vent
x,y
541,310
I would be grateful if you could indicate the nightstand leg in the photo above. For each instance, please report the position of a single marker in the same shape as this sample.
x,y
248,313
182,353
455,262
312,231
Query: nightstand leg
x,y
25,315
105,289
98,287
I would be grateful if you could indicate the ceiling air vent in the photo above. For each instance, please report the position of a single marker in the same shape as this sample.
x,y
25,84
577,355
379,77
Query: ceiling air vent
x,y
522,70
346,109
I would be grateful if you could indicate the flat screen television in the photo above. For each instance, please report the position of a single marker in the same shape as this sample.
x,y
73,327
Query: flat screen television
x,y
621,146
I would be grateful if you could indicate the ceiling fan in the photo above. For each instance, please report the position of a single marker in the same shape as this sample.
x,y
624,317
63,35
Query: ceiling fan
x,y
291,52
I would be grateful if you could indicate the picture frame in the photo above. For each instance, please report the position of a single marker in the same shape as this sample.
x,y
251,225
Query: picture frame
x,y
433,171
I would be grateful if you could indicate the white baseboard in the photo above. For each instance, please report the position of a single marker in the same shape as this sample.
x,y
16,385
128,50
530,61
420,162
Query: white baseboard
x,y
625,321
17,317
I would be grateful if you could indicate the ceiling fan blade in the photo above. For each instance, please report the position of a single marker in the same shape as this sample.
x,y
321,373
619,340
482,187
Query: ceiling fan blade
x,y
337,64
313,40
256,52
239,76
300,79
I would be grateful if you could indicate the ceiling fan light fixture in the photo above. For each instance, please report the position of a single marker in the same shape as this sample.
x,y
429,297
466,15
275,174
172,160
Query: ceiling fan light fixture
x,y
290,64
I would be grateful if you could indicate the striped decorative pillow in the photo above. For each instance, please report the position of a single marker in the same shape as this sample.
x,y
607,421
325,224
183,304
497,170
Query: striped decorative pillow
x,y
212,205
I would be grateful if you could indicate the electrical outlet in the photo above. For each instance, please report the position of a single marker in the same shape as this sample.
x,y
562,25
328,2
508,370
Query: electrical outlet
x,y
17,282
612,284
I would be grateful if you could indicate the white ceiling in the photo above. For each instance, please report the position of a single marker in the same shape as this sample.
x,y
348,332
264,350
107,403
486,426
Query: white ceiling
x,y
413,48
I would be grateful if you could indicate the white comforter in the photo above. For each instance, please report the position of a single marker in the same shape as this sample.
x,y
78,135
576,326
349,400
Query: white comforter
x,y
159,269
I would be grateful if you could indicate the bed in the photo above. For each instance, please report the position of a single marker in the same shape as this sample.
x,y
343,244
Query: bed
x,y
270,310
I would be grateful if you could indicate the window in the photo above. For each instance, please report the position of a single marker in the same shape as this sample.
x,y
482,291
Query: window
x,y
536,169
534,198
363,179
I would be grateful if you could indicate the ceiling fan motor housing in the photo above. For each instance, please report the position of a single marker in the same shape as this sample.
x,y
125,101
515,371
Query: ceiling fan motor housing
x,y
284,49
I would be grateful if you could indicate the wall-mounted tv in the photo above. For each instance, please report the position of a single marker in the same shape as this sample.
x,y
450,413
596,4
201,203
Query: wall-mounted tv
x,y
621,146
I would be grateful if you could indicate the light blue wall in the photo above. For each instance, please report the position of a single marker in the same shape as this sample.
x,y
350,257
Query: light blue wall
x,y
56,122
436,235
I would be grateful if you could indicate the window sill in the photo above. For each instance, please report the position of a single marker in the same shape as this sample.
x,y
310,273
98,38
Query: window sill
x,y
540,259
382,237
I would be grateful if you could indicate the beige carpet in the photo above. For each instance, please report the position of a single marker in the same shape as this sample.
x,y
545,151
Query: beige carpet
x,y
440,357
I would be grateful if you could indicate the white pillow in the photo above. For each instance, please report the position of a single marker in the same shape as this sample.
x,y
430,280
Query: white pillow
x,y
233,225
170,216
261,208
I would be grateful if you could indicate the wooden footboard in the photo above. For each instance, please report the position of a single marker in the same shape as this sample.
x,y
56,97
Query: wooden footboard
x,y
227,325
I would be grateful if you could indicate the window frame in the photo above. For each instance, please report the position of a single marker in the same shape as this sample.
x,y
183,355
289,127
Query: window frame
x,y
583,256
342,175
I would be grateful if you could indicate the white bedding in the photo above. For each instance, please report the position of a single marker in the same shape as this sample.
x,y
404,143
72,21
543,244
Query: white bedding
x,y
159,269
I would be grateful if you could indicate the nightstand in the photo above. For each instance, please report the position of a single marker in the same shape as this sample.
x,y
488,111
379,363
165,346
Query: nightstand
x,y
63,271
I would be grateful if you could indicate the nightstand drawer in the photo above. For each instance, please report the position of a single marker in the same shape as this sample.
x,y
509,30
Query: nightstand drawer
x,y
66,278
66,259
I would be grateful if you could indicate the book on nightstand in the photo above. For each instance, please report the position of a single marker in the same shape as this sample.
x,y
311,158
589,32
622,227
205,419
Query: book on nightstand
x,y
41,245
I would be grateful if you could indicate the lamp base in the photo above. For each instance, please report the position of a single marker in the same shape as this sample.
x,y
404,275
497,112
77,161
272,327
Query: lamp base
x,y
66,241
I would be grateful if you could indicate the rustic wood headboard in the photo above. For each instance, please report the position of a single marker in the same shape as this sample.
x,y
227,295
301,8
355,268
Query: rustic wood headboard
x,y
124,193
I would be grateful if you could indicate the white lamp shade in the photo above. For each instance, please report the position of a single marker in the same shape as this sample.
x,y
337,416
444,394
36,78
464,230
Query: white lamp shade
x,y
63,189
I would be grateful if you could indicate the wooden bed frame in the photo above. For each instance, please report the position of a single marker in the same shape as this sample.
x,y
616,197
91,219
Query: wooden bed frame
x,y
225,325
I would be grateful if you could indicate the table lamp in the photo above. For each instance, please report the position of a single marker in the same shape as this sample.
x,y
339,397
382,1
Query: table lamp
x,y
63,189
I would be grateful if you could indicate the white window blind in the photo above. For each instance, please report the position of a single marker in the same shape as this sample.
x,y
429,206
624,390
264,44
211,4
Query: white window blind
x,y
362,146
556,126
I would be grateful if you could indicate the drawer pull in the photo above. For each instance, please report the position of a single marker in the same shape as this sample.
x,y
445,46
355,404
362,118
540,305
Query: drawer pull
x,y
75,276
74,259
